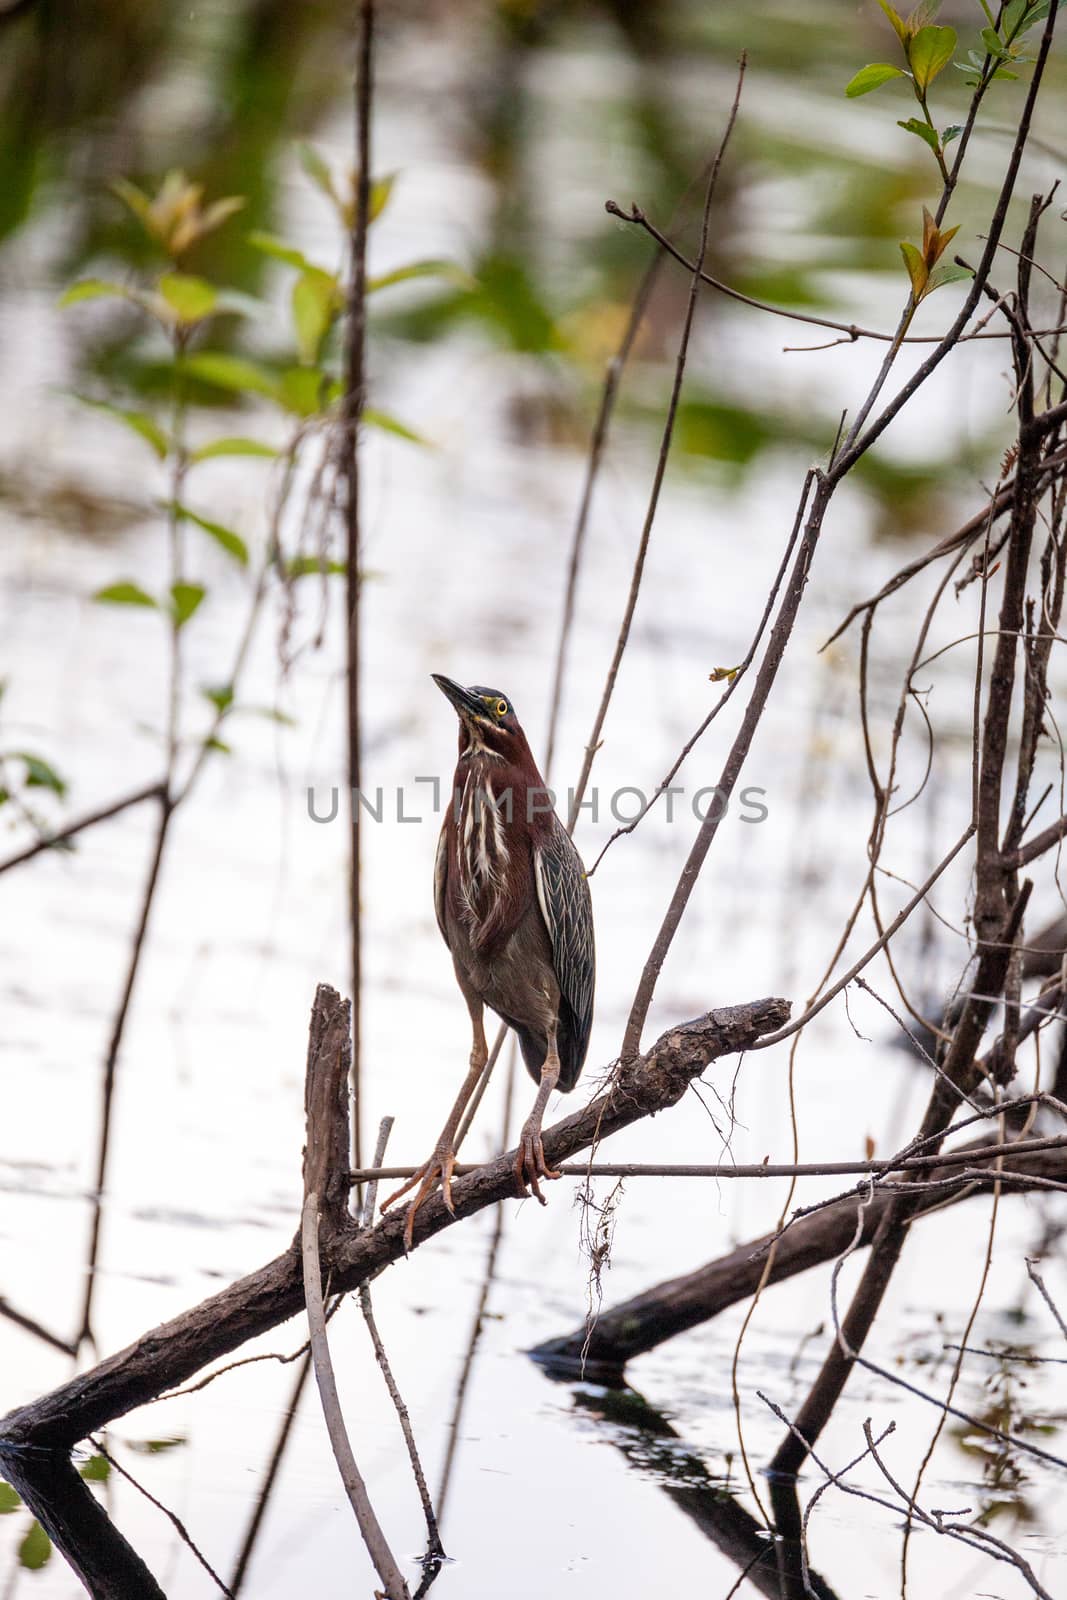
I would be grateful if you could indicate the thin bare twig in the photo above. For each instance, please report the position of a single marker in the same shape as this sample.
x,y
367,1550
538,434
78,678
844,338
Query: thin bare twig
x,y
369,1526
111,1060
178,1525
1039,1284
661,466
435,1551
61,836
477,1326
736,674
38,1329
270,1477
351,415
966,1533
853,331
869,954
763,1169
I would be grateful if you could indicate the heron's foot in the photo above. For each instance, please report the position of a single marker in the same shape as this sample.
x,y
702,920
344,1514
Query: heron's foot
x,y
438,1170
530,1163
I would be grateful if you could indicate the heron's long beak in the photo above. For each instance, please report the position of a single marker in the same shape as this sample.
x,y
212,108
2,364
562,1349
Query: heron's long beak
x,y
465,703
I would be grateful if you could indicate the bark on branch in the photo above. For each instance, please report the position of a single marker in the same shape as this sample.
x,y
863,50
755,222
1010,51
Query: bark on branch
x,y
678,1304
172,1353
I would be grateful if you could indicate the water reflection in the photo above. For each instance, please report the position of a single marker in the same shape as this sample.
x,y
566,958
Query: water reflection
x,y
769,1559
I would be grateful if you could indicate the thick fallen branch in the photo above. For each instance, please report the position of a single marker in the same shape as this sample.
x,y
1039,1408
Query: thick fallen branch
x,y
171,1354
78,1525
678,1304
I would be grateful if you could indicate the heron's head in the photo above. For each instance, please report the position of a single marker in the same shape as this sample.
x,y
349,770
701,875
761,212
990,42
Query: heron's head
x,y
486,718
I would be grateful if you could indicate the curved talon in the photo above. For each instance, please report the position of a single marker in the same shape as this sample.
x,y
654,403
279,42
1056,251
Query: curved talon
x,y
438,1170
404,1187
530,1165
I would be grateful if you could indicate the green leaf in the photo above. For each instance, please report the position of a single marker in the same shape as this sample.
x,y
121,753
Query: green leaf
x,y
916,268
381,190
991,40
233,447
929,53
145,427
155,1447
233,373
96,1470
135,198
451,270
191,299
221,696
306,566
307,391
224,750
871,77
948,134
1037,13
922,129
899,26
1012,16
390,424
219,211
317,170
93,289
39,774
1002,72
35,1551
947,272
139,422
185,598
230,541
125,594
10,1499
303,391
938,239
317,300
270,245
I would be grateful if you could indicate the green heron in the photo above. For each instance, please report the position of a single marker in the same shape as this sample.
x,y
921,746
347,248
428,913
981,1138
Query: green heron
x,y
513,906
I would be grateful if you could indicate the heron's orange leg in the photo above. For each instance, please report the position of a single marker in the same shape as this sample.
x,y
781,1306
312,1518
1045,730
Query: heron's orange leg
x,y
438,1169
530,1163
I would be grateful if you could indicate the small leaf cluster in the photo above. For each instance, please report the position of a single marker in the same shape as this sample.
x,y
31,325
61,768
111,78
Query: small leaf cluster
x,y
176,216
1003,41
175,219
305,386
928,49
317,298
184,306
922,262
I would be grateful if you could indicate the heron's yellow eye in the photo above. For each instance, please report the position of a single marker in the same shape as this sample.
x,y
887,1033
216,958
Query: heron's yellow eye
x,y
501,708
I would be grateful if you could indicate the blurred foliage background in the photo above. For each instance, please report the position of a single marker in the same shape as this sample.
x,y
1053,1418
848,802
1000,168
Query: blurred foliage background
x,y
818,192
